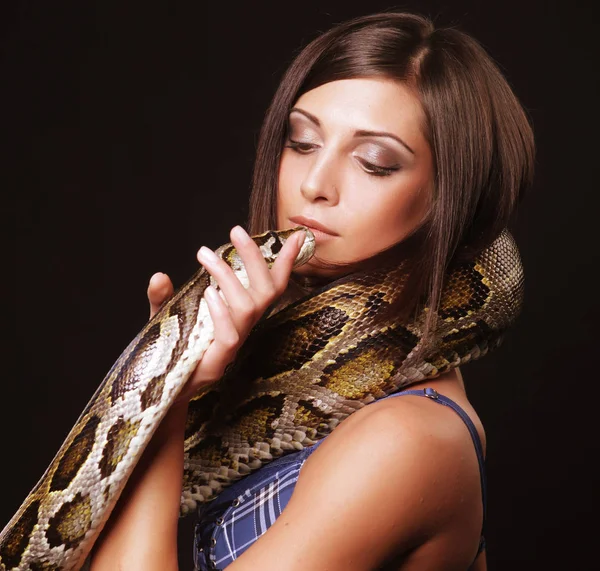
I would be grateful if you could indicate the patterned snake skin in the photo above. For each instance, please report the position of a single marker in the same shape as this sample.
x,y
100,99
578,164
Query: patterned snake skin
x,y
302,371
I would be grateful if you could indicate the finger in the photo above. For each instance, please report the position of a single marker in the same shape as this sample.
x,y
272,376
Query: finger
x,y
160,289
282,268
242,306
259,276
226,337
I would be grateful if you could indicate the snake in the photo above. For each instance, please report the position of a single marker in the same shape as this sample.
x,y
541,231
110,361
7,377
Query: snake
x,y
303,369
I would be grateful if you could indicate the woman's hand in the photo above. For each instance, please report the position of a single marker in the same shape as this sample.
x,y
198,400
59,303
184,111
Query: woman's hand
x,y
141,533
233,318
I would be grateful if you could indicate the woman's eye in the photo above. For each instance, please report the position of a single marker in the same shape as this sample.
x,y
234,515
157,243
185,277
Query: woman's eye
x,y
299,146
376,170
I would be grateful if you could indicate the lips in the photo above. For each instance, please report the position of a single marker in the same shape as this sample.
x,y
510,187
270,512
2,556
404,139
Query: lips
x,y
313,225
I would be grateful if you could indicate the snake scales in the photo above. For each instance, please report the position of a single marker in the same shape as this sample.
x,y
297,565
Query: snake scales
x,y
301,372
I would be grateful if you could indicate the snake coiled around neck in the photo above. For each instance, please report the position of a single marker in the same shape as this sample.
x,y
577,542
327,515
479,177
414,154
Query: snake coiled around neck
x,y
303,370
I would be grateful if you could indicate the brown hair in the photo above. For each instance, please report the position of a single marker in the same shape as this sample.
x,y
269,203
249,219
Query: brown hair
x,y
479,134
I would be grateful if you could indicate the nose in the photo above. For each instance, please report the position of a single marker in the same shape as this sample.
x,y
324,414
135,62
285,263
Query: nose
x,y
320,182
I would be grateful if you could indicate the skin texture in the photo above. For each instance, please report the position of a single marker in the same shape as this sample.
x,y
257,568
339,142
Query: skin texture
x,y
413,502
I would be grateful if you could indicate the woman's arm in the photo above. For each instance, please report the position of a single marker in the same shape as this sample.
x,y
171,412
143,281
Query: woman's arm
x,y
142,530
141,533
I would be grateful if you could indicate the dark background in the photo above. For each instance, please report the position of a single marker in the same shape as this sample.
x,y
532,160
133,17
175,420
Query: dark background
x,y
130,134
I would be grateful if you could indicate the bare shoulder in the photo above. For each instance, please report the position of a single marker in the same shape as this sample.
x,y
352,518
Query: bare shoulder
x,y
406,425
413,464
400,476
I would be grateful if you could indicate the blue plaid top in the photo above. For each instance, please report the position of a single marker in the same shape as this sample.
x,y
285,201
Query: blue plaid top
x,y
241,513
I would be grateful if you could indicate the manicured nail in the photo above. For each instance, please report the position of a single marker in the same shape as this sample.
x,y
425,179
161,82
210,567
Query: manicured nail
x,y
207,254
211,293
239,233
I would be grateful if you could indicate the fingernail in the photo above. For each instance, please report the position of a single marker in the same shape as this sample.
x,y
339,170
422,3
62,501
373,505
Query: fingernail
x,y
210,293
239,233
300,238
207,254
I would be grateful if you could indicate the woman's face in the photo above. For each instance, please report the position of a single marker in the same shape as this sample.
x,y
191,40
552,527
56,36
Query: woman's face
x,y
356,164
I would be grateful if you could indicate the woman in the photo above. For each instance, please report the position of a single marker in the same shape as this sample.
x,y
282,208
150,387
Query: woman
x,y
384,131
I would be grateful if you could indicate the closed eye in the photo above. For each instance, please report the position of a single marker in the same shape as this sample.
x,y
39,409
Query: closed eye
x,y
304,148
300,147
376,170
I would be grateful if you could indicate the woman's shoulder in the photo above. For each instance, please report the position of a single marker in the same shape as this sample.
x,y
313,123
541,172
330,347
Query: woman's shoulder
x,y
399,475
406,435
409,424
408,467
414,449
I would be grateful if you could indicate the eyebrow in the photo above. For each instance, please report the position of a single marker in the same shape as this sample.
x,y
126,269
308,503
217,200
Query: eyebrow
x,y
359,133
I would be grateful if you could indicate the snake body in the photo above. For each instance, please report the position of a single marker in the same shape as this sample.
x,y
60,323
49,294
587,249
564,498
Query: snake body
x,y
302,371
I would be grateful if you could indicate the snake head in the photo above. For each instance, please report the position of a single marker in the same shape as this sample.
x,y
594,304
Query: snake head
x,y
308,246
270,244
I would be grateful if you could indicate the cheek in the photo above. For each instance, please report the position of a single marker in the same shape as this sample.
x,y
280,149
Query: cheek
x,y
283,187
287,177
388,218
412,209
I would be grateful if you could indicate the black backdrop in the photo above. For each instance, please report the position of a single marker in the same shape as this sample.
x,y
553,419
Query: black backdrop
x,y
131,131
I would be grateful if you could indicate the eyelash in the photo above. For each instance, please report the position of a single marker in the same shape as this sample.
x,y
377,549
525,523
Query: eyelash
x,y
373,170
